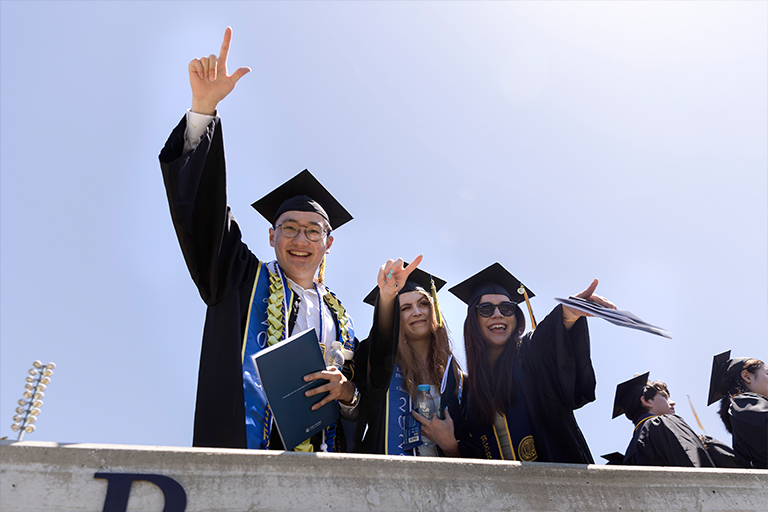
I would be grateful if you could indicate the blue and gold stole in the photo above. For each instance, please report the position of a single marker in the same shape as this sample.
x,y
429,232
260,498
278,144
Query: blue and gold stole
x,y
518,429
399,404
258,416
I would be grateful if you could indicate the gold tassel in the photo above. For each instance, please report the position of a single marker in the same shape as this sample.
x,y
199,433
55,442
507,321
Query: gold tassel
x,y
321,272
433,291
528,303
695,415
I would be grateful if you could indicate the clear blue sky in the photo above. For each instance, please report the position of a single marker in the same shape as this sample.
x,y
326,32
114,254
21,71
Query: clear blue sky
x,y
620,140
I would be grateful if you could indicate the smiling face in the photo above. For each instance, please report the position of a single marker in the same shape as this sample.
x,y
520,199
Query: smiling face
x,y
299,257
415,315
497,328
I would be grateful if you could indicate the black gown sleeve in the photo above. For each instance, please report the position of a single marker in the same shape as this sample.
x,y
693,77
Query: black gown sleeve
x,y
561,360
721,454
382,352
210,239
223,270
749,420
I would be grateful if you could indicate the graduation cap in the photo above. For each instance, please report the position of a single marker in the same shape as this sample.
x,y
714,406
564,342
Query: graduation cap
x,y
629,392
494,280
723,369
614,459
302,193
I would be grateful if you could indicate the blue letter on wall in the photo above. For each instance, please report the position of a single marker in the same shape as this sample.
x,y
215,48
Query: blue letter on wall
x,y
119,488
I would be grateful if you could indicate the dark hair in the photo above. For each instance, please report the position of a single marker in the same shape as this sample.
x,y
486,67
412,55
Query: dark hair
x,y
735,385
490,390
635,409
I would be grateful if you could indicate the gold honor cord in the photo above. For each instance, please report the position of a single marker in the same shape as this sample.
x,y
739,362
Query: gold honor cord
x,y
528,303
696,415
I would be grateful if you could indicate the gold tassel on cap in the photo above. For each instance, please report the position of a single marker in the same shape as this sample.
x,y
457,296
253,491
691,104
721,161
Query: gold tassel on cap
x,y
433,291
321,272
522,291
696,415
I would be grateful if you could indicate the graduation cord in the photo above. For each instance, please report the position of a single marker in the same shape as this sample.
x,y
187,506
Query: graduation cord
x,y
642,420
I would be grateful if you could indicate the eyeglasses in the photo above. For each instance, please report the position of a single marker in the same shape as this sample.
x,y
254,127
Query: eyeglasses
x,y
292,230
487,309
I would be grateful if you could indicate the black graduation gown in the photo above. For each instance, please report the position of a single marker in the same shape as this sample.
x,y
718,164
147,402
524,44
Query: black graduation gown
x,y
224,269
556,377
721,454
749,421
378,357
666,440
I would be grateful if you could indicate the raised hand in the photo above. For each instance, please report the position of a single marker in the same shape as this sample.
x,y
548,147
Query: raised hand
x,y
570,315
393,275
209,79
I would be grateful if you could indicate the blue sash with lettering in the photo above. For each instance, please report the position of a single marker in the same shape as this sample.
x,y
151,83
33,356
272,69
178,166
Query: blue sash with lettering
x,y
399,404
518,429
258,416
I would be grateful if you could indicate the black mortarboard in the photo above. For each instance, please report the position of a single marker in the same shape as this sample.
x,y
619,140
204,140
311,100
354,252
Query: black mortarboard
x,y
628,392
614,459
493,280
417,279
302,193
723,368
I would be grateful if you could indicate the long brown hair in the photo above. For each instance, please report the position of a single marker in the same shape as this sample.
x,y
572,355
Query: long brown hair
x,y
490,390
736,386
439,352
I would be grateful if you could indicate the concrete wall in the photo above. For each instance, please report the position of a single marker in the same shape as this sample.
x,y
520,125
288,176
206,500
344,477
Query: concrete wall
x,y
50,476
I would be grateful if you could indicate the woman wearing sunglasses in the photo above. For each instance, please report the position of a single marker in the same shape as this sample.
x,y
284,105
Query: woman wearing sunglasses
x,y
523,389
408,352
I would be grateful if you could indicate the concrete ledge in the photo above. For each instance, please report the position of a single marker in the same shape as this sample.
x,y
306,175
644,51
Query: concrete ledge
x,y
51,476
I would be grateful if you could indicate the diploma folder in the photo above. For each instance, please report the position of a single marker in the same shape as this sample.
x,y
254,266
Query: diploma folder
x,y
281,369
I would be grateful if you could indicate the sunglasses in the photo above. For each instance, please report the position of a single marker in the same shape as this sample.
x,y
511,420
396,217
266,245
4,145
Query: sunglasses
x,y
487,309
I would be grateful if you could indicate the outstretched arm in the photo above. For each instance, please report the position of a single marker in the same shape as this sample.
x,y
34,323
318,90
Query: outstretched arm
x,y
209,79
391,279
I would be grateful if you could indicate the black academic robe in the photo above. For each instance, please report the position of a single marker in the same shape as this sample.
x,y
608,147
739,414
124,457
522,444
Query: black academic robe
x,y
224,269
377,356
666,440
749,421
721,454
555,375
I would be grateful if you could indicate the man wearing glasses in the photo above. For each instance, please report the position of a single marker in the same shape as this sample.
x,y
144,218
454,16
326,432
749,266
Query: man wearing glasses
x,y
251,303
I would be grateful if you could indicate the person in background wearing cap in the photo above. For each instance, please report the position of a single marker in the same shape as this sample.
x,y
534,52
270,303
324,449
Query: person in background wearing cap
x,y
409,346
660,437
741,385
523,389
251,303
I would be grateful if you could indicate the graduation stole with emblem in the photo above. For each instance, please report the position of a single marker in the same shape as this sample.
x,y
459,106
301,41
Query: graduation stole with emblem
x,y
518,429
270,309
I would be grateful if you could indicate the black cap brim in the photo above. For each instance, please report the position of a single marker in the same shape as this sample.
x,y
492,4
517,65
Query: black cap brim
x,y
614,459
492,280
417,279
723,369
627,392
303,184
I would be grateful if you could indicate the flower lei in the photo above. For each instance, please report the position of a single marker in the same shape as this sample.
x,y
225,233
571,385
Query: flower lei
x,y
341,313
276,310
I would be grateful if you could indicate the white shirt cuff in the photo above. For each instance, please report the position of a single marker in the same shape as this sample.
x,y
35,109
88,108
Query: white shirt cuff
x,y
196,125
